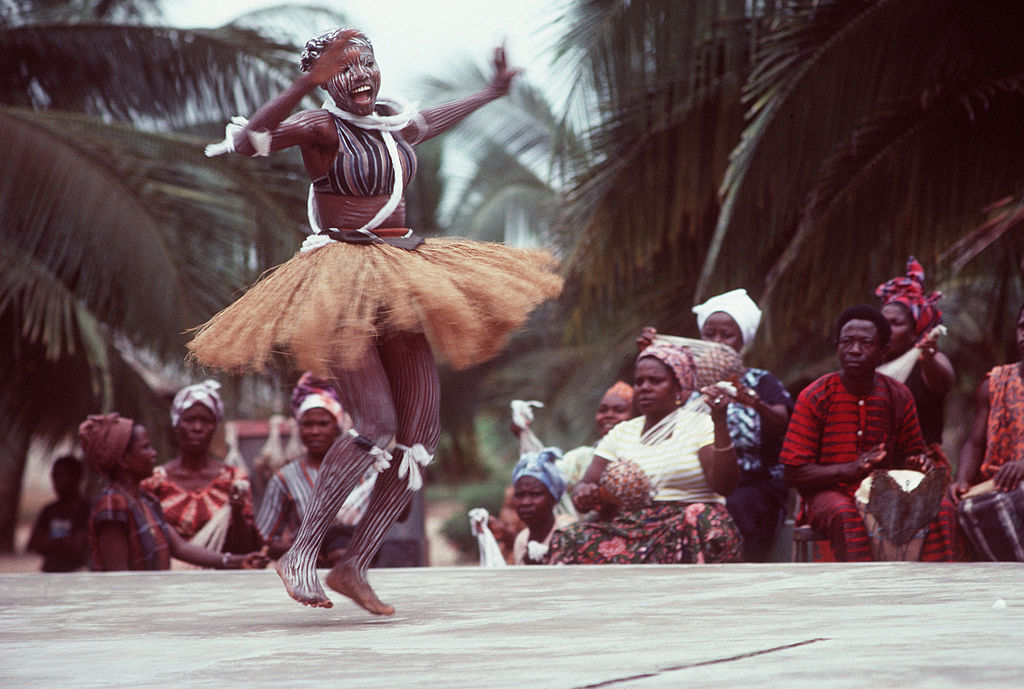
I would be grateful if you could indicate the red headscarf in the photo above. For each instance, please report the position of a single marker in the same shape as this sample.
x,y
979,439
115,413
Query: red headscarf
x,y
909,291
105,439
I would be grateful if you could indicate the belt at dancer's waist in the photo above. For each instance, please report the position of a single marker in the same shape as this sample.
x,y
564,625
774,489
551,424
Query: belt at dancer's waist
x,y
401,237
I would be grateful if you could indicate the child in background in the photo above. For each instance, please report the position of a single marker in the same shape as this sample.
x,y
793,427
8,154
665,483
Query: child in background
x,y
60,531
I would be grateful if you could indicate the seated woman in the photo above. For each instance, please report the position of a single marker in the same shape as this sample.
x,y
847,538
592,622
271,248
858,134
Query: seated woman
x,y
205,500
616,405
757,416
538,485
992,512
687,460
127,529
317,409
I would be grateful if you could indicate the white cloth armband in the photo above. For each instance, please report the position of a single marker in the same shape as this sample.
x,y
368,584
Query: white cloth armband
x,y
261,142
228,144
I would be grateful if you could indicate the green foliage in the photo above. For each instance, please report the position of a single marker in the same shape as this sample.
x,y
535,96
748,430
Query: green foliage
x,y
869,141
801,150
122,234
489,495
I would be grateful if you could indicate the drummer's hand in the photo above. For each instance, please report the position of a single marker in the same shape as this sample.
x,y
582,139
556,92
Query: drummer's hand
x,y
957,490
921,462
503,74
646,338
254,560
1009,476
866,463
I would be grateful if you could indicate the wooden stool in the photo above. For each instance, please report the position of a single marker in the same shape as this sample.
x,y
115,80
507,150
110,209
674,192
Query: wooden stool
x,y
803,537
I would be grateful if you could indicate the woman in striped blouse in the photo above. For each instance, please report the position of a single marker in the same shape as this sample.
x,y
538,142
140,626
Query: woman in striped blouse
x,y
320,418
665,472
367,302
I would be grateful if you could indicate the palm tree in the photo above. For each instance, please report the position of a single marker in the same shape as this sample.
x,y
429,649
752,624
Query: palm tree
x,y
794,148
118,233
877,129
655,103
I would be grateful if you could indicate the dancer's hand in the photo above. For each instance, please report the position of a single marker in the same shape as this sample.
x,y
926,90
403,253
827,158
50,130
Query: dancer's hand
x,y
503,74
329,63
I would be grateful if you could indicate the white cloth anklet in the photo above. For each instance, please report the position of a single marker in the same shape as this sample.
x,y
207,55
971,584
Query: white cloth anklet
x,y
381,457
412,459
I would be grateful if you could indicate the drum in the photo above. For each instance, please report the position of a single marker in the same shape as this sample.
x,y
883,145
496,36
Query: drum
x,y
994,521
896,506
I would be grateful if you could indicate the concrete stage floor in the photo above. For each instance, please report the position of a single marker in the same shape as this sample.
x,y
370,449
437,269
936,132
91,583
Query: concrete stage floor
x,y
773,625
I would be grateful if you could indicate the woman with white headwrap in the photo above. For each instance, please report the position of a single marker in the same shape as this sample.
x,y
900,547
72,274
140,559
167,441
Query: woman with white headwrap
x,y
758,414
207,501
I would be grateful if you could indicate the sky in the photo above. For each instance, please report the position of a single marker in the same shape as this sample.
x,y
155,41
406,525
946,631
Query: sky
x,y
412,38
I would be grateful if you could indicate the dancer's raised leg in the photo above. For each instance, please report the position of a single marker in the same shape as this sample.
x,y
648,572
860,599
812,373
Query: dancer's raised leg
x,y
373,416
415,389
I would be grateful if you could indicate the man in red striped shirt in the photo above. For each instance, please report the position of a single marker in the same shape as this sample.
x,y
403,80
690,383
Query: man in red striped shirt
x,y
845,425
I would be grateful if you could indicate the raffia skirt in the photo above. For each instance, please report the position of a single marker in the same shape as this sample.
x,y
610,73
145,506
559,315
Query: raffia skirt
x,y
326,307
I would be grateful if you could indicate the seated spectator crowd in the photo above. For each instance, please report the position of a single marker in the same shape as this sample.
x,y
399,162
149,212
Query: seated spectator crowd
x,y
705,470
698,460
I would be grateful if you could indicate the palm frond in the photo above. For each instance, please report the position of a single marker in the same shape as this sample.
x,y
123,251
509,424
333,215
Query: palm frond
x,y
855,59
290,24
153,77
149,233
665,77
1004,215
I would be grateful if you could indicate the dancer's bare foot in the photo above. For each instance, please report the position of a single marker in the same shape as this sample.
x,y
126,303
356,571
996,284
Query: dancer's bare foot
x,y
346,579
301,582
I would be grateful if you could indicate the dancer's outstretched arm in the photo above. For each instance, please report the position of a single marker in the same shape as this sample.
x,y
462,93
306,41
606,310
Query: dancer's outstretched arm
x,y
440,118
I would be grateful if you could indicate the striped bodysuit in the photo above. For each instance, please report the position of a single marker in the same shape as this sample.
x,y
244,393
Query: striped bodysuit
x,y
362,166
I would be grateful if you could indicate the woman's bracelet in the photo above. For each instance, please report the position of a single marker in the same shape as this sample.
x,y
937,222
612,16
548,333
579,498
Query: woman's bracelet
x,y
224,560
728,448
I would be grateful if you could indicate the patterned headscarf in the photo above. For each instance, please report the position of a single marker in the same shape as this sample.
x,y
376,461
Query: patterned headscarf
x,y
104,439
740,307
909,291
541,465
204,393
621,389
313,392
678,359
